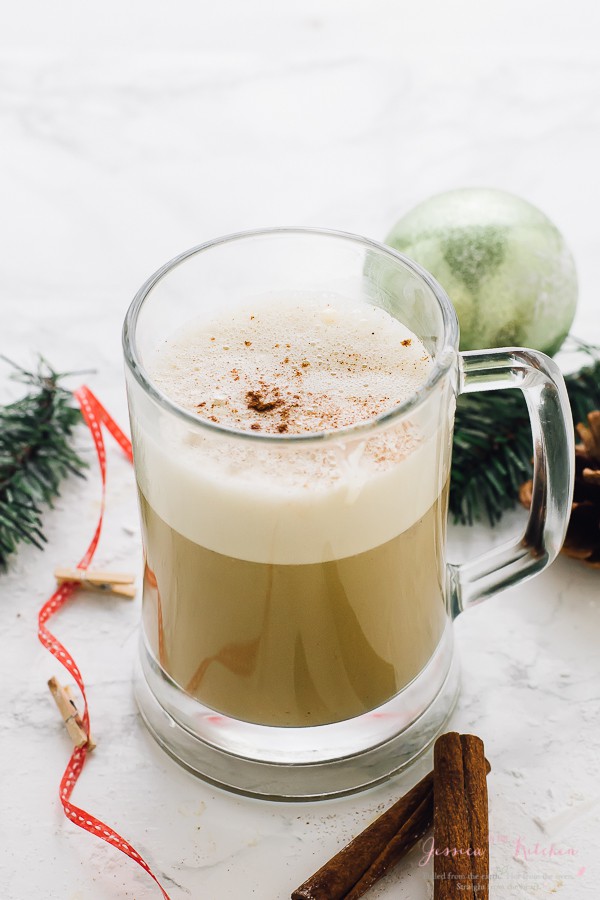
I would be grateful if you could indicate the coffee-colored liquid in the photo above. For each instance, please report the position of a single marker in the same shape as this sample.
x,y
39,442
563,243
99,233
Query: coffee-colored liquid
x,y
294,645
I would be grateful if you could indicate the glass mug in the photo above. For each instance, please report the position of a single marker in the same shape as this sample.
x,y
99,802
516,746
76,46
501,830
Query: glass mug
x,y
297,610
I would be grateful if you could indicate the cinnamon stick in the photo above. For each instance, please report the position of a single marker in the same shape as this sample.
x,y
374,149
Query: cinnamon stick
x,y
414,828
370,855
460,807
339,876
477,809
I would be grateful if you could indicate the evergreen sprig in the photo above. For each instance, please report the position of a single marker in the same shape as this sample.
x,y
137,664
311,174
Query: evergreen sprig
x,y
493,446
34,455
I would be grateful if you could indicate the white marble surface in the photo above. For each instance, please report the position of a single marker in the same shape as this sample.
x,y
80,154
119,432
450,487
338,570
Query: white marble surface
x,y
132,131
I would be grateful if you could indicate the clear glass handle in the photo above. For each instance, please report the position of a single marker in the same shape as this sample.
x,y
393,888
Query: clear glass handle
x,y
553,466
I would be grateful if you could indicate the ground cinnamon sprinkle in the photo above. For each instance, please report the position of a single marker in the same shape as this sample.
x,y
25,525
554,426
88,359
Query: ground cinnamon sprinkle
x,y
268,400
312,386
256,400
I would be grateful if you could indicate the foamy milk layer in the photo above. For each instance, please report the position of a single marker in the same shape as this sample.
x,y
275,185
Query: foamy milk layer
x,y
289,367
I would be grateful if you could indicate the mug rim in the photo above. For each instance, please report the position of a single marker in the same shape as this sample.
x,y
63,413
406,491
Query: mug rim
x,y
443,359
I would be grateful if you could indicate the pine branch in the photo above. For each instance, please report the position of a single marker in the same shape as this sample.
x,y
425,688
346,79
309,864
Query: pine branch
x,y
34,455
493,447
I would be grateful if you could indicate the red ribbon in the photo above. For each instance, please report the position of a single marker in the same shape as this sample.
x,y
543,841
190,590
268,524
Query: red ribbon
x,y
95,417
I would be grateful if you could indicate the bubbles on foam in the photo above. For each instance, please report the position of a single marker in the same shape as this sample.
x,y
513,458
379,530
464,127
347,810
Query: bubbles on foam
x,y
292,367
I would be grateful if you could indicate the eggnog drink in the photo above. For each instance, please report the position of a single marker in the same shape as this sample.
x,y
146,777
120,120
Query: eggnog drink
x,y
292,582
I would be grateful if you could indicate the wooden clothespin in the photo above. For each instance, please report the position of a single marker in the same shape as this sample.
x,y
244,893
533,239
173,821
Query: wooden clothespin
x,y
63,698
119,583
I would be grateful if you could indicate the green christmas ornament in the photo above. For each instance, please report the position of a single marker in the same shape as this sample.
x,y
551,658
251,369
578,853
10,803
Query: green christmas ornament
x,y
503,263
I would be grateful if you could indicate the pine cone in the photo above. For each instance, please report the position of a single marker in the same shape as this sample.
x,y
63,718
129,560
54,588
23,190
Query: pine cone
x,y
583,534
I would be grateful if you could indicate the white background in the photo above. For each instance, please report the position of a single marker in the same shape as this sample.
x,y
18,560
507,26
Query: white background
x,y
129,132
